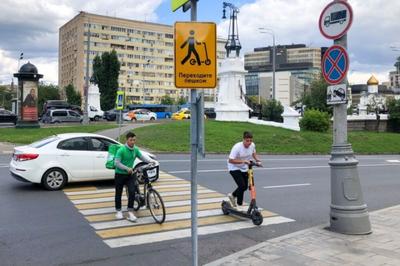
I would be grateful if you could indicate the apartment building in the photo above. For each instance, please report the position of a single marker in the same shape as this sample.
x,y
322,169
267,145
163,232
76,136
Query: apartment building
x,y
145,51
301,65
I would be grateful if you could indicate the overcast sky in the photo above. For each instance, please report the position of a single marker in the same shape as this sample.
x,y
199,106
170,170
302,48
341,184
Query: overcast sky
x,y
31,27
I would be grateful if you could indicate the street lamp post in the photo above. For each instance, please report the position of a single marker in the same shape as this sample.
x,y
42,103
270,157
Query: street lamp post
x,y
271,32
21,56
146,64
86,89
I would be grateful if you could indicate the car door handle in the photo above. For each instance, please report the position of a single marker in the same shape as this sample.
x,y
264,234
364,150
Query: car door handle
x,y
100,156
65,155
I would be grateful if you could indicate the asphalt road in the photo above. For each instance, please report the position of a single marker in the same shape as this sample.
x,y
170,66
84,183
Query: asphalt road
x,y
38,227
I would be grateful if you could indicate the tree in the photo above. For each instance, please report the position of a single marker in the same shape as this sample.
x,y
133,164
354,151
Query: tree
x,y
181,100
167,100
105,73
73,97
315,98
272,110
394,114
5,97
47,92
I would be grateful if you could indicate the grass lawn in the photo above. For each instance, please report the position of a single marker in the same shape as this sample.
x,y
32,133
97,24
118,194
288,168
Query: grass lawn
x,y
220,137
29,135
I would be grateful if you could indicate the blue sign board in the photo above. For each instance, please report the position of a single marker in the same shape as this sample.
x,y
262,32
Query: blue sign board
x,y
335,64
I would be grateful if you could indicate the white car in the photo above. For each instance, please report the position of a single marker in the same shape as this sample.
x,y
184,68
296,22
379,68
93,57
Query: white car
x,y
140,115
61,159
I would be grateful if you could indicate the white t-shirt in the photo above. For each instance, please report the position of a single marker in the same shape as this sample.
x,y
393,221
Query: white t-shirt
x,y
240,152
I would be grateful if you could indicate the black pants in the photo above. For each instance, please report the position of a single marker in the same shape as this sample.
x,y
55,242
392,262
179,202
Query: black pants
x,y
120,181
242,180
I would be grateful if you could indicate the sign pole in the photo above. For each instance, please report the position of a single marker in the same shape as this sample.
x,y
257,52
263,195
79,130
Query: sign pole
x,y
348,212
194,144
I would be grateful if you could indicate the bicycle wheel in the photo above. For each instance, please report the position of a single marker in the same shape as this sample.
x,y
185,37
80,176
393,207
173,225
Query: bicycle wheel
x,y
156,206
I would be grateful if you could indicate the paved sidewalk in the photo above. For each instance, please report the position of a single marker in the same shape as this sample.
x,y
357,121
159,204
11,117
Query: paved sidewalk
x,y
317,246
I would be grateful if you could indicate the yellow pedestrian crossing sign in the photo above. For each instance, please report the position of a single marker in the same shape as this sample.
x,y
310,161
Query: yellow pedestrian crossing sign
x,y
119,102
195,55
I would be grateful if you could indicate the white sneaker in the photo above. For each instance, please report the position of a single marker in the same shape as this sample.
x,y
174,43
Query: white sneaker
x,y
119,215
232,199
242,208
131,217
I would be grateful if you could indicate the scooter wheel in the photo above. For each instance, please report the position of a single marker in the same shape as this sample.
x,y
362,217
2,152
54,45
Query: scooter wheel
x,y
207,62
257,218
224,207
193,62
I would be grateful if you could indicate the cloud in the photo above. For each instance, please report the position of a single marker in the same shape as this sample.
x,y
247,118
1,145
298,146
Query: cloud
x,y
374,30
31,26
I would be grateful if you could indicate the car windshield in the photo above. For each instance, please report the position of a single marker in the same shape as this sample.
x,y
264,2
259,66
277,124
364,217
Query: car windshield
x,y
43,142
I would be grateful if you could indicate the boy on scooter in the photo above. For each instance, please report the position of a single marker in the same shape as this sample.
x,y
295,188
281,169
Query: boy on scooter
x,y
239,159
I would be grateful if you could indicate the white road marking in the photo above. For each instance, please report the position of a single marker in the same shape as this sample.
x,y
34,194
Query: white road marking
x,y
282,168
174,193
107,190
150,220
167,204
183,233
393,161
292,185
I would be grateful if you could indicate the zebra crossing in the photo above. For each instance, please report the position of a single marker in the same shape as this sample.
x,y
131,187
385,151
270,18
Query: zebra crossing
x,y
97,207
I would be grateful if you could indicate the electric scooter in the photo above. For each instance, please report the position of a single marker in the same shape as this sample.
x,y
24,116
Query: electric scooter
x,y
252,212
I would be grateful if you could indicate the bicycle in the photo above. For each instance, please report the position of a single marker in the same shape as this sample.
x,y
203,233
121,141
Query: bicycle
x,y
150,197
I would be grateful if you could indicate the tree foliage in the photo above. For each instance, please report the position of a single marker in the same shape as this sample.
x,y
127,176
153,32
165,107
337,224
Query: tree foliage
x,y
5,97
272,110
73,97
47,92
181,100
315,97
166,99
394,114
105,73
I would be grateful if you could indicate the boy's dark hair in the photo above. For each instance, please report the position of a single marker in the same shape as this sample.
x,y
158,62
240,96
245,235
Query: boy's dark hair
x,y
130,135
247,135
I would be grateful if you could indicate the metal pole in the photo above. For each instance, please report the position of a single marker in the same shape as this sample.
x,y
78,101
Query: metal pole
x,y
273,66
119,126
17,105
348,212
193,159
86,89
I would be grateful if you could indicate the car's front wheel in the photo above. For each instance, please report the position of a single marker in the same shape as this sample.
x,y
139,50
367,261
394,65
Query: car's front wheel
x,y
54,179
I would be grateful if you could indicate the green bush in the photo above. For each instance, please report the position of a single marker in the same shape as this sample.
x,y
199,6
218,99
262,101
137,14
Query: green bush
x,y
314,120
394,114
272,110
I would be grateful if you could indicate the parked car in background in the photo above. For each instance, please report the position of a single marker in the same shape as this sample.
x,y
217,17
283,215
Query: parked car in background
x,y
61,159
140,115
61,116
55,104
210,112
95,113
111,115
7,116
181,114
76,108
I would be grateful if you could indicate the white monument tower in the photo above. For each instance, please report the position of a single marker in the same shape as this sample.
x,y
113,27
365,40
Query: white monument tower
x,y
231,104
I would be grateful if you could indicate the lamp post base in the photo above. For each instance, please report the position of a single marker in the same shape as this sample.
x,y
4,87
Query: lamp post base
x,y
348,212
